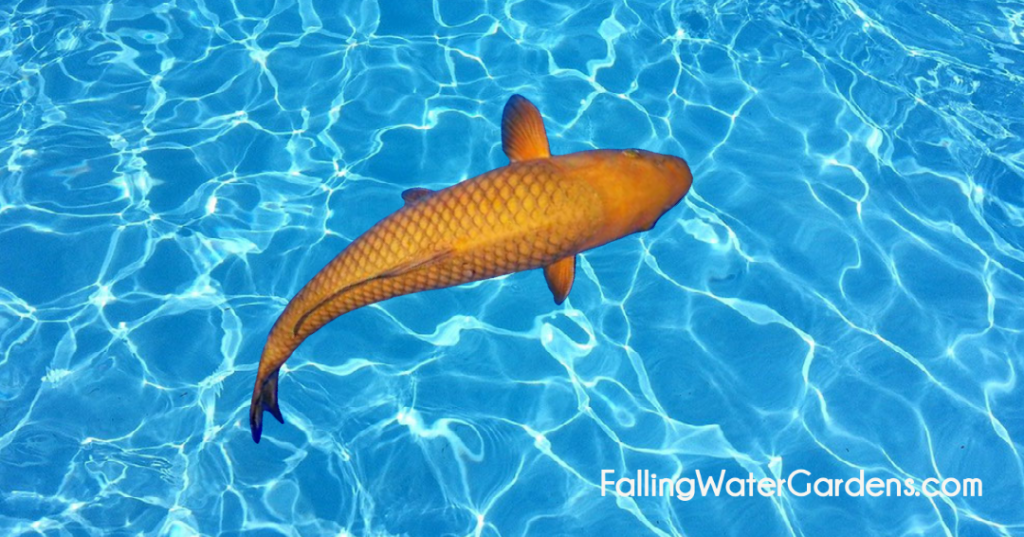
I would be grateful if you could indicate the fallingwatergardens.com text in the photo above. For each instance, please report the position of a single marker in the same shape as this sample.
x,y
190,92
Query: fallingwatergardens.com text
x,y
643,483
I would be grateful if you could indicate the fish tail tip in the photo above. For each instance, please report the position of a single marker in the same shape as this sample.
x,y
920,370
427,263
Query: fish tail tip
x,y
276,412
264,397
256,420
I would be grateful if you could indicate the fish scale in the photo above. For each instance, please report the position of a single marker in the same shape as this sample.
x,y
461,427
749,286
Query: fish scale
x,y
520,217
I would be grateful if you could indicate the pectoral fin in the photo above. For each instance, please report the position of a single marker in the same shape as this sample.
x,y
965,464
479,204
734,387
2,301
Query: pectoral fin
x,y
415,195
522,131
560,276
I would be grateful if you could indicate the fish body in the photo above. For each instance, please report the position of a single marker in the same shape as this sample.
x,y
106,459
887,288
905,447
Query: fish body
x,y
537,212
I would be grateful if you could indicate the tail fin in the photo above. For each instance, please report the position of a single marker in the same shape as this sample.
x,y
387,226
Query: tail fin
x,y
264,397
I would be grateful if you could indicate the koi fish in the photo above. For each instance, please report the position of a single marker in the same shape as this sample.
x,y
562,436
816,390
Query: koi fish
x,y
540,211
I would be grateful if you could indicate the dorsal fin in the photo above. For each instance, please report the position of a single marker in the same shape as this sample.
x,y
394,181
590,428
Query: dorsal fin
x,y
560,276
522,131
414,195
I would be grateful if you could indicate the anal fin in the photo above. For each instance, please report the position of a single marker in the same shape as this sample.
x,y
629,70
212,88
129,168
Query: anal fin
x,y
560,276
414,264
416,195
397,270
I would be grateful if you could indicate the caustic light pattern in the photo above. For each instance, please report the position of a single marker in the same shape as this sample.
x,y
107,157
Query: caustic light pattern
x,y
840,290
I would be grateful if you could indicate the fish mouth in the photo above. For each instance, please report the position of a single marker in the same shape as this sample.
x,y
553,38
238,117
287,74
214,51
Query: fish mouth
x,y
677,168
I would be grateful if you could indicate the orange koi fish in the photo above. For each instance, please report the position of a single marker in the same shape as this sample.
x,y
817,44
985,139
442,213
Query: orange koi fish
x,y
537,212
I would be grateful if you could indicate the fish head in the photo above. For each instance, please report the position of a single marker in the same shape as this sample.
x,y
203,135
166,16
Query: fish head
x,y
636,187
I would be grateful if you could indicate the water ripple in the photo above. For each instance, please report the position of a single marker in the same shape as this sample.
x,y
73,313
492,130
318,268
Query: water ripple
x,y
840,291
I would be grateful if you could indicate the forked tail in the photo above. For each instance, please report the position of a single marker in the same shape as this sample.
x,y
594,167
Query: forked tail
x,y
264,397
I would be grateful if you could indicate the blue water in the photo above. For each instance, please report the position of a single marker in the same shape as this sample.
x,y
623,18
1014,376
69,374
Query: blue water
x,y
842,289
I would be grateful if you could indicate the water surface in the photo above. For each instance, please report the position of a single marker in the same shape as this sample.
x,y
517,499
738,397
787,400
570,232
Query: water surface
x,y
841,290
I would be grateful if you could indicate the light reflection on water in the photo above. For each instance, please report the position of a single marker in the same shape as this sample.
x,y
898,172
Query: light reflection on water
x,y
841,289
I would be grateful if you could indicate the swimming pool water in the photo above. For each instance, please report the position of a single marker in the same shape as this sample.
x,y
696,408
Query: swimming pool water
x,y
841,290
